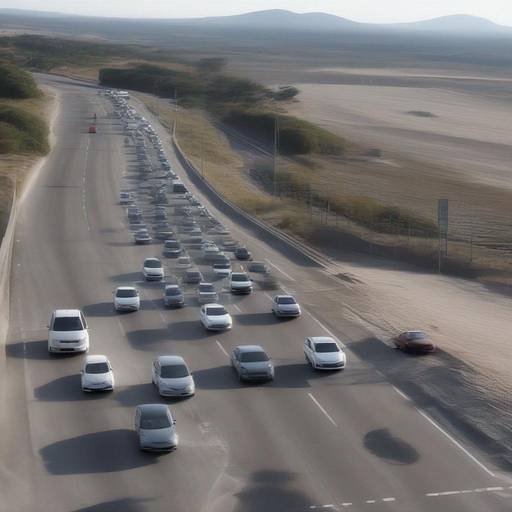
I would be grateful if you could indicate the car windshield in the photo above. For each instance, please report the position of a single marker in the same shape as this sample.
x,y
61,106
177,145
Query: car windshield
x,y
216,311
206,288
258,266
174,371
193,274
242,250
123,294
152,264
151,422
253,357
172,245
184,260
239,277
67,323
96,368
416,335
326,347
222,265
286,300
172,291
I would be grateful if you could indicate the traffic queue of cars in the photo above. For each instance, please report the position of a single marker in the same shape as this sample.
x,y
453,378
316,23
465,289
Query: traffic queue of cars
x,y
179,225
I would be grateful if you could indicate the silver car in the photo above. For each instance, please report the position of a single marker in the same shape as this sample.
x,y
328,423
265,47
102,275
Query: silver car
x,y
155,428
173,296
252,363
285,306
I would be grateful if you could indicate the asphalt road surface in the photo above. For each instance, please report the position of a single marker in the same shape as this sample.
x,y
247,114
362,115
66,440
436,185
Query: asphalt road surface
x,y
341,441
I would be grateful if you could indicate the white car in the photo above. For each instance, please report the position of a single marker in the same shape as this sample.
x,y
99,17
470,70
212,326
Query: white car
x,y
240,282
285,306
152,269
172,377
210,251
68,332
126,298
214,317
184,262
222,269
97,374
324,353
206,293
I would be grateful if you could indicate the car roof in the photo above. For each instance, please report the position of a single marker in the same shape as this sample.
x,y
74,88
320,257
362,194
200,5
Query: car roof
x,y
167,286
153,410
239,273
67,312
202,283
126,288
213,305
95,358
284,297
151,259
322,339
250,348
168,360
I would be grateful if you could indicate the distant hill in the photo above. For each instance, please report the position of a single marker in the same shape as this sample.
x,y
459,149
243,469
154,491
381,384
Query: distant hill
x,y
279,19
455,24
275,20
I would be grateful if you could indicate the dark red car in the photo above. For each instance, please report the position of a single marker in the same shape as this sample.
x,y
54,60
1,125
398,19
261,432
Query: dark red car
x,y
414,341
92,129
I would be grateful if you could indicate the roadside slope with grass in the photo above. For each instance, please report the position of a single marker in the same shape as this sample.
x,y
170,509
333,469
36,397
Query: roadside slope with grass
x,y
23,131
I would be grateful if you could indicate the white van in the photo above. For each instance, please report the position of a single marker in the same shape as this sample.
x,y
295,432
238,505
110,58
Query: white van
x,y
68,331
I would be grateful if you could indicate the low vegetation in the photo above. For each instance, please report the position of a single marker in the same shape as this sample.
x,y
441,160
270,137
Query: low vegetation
x,y
16,83
22,132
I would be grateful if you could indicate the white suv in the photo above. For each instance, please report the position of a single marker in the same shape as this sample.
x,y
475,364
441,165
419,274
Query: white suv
x,y
68,331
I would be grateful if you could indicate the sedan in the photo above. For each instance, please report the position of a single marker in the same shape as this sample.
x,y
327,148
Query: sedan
x,y
242,253
97,374
414,341
206,293
214,317
172,248
324,353
192,277
285,306
183,262
222,269
152,269
172,377
252,363
142,237
173,296
258,267
155,428
126,298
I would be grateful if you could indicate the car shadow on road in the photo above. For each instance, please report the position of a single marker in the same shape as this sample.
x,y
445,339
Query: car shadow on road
x,y
34,350
131,396
124,504
383,444
100,452
64,389
103,309
127,277
272,490
256,319
218,377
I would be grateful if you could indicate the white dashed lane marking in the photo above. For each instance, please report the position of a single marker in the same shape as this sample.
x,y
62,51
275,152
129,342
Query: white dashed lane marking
x,y
219,344
326,414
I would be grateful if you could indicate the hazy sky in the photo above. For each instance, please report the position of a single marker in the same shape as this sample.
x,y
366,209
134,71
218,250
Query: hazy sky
x,y
499,11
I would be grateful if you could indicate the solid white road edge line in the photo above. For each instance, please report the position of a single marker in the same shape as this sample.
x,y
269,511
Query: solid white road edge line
x,y
328,331
288,276
327,415
456,443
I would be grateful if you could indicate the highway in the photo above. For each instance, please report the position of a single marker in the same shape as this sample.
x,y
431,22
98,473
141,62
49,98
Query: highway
x,y
307,441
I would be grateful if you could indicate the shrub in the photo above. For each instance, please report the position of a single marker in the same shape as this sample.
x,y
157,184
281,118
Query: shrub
x,y
21,132
16,83
285,93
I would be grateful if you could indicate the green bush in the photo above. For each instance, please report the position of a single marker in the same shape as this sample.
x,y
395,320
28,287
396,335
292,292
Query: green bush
x,y
16,83
21,132
296,136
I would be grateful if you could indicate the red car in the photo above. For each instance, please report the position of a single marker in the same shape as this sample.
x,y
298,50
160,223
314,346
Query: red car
x,y
92,129
414,341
